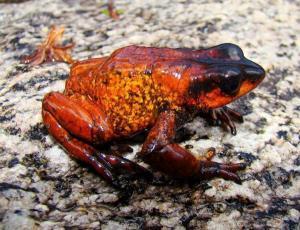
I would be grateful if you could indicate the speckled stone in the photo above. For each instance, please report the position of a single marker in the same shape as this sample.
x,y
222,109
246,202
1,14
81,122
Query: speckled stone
x,y
42,188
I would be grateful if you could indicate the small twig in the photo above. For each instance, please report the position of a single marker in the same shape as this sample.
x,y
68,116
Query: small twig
x,y
111,10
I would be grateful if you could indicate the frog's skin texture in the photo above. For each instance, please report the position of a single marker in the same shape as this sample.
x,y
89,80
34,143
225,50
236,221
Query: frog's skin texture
x,y
144,88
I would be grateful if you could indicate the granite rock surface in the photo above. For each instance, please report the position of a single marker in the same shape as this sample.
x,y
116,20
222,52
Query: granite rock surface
x,y
41,187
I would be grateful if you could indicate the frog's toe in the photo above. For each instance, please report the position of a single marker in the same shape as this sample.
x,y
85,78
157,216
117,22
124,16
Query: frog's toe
x,y
210,169
121,165
223,117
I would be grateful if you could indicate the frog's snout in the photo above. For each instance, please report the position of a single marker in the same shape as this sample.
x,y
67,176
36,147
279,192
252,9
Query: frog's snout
x,y
255,74
252,75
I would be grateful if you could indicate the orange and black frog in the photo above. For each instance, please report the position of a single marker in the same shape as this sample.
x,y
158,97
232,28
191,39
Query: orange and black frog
x,y
145,88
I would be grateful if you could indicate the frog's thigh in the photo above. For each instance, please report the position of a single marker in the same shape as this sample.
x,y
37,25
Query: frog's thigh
x,y
68,118
76,148
79,116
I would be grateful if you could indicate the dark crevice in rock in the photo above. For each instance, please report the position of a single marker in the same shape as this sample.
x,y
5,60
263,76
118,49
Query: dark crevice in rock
x,y
37,132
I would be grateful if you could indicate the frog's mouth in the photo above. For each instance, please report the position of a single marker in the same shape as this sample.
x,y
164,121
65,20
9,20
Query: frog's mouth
x,y
246,87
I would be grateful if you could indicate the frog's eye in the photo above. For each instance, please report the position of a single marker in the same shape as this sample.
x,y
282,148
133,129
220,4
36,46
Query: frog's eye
x,y
230,83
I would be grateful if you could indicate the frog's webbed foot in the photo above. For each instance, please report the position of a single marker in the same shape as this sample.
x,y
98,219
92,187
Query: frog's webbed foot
x,y
50,50
223,117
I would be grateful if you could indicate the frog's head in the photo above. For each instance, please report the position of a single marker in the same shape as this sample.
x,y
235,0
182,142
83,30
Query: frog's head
x,y
224,75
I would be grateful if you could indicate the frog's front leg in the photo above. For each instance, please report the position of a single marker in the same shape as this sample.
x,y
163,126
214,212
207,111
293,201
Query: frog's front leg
x,y
223,116
77,123
161,152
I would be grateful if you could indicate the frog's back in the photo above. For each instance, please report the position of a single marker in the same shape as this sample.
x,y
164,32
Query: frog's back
x,y
127,88
130,100
135,83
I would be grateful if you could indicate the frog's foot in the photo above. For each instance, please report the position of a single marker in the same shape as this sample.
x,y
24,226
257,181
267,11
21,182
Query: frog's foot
x,y
51,50
120,165
210,169
223,116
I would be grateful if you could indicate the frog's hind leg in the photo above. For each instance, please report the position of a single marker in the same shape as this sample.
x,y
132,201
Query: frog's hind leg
x,y
76,123
160,151
76,148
